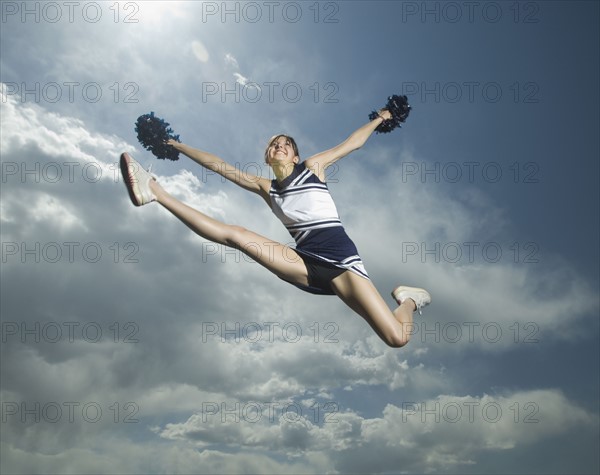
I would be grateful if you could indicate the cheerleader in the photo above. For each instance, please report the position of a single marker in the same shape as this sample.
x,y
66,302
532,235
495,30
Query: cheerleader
x,y
324,260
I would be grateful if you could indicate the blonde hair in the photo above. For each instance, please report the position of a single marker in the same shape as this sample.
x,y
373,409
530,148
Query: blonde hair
x,y
277,137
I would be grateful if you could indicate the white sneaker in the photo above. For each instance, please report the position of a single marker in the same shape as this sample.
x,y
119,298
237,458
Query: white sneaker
x,y
137,181
420,297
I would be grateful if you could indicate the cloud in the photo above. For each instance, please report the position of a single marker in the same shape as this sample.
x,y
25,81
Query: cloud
x,y
167,327
489,294
240,79
200,51
444,434
231,61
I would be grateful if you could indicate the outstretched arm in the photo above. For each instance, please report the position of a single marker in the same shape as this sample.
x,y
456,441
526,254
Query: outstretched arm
x,y
318,163
247,181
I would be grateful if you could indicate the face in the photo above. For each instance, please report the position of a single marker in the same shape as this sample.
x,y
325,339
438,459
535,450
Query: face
x,y
282,149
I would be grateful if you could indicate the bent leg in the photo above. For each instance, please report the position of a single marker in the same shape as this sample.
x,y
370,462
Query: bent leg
x,y
282,260
394,328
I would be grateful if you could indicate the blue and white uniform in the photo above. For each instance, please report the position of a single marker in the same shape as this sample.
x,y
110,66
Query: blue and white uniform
x,y
303,204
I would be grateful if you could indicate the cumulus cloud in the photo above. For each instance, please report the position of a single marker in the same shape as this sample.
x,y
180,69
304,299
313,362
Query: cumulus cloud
x,y
447,433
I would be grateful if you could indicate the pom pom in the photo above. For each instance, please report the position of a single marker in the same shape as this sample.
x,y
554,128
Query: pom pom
x,y
153,134
399,108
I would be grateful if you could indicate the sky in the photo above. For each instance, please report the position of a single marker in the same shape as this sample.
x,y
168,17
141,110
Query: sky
x,y
131,345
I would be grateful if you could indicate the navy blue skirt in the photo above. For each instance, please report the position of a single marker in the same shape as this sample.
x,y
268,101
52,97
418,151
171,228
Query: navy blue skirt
x,y
327,253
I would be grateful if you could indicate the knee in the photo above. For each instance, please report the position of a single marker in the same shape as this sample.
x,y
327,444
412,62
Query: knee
x,y
396,340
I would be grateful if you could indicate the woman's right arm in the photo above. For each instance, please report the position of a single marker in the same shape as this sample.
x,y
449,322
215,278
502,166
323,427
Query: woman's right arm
x,y
216,164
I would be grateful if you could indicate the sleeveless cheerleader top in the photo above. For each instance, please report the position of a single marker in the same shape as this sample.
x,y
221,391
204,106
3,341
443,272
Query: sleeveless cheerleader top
x,y
303,204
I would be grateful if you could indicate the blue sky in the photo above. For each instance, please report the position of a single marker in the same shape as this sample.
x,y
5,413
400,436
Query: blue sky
x,y
129,345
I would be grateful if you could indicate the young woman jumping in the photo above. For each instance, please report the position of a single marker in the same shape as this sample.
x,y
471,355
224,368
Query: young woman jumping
x,y
325,260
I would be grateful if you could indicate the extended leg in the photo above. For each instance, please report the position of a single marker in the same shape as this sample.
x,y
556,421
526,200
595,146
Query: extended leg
x,y
282,260
394,328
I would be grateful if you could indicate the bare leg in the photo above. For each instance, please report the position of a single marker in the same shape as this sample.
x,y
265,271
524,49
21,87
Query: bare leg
x,y
282,260
394,328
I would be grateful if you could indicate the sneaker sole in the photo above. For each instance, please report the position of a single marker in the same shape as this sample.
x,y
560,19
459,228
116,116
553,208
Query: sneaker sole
x,y
403,288
130,182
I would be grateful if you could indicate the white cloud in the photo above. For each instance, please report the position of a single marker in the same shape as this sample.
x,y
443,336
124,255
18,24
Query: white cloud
x,y
231,61
47,208
200,51
27,124
240,79
442,434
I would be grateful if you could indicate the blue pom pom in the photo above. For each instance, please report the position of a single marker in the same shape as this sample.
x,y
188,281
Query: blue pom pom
x,y
399,108
153,134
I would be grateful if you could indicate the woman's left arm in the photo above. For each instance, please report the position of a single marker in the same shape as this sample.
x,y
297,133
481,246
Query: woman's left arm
x,y
318,163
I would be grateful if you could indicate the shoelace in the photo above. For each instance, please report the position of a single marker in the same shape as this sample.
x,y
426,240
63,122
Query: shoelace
x,y
418,307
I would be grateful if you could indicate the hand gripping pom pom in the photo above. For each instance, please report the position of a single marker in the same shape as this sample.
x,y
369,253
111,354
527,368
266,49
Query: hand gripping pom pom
x,y
153,134
399,108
